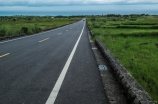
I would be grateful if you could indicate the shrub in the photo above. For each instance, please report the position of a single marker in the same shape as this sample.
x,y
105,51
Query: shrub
x,y
114,19
24,29
154,27
31,29
96,26
38,28
29,32
104,21
3,31
133,19
93,19
14,19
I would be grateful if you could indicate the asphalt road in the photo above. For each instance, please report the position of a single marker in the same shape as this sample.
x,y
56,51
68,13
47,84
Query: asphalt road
x,y
56,66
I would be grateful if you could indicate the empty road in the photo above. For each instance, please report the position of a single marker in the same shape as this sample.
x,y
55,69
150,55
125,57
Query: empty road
x,y
52,67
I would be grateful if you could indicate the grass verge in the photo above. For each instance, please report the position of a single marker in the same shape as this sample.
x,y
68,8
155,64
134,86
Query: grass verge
x,y
30,24
136,48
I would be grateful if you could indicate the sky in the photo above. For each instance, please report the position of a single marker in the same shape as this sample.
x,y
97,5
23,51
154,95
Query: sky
x,y
78,5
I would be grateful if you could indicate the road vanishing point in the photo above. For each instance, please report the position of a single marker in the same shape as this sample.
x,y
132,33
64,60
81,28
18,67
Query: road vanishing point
x,y
52,67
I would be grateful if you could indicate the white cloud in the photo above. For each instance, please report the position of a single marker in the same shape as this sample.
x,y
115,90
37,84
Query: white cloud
x,y
71,2
108,6
142,1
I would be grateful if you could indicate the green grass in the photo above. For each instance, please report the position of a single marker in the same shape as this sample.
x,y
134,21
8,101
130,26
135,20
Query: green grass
x,y
29,25
125,32
136,48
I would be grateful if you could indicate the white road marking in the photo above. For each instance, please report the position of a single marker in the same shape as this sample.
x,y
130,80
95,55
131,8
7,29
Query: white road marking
x,y
58,84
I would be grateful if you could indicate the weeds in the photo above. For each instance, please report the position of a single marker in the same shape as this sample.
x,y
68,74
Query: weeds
x,y
30,24
135,44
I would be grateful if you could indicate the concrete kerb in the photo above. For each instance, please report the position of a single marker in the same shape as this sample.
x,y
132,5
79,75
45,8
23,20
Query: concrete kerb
x,y
88,27
113,91
135,93
91,32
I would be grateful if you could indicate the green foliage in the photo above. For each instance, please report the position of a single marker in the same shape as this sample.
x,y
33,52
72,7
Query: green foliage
x,y
133,19
140,23
138,26
13,25
3,31
96,26
135,44
93,19
14,19
24,29
104,21
31,29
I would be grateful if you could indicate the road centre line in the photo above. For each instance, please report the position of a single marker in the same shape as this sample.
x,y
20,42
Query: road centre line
x,y
44,40
4,55
33,35
55,91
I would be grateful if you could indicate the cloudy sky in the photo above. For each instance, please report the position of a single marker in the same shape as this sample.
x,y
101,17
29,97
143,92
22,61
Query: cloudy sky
x,y
74,5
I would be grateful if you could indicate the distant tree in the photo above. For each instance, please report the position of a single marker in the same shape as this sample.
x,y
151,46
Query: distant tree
x,y
104,21
93,19
14,19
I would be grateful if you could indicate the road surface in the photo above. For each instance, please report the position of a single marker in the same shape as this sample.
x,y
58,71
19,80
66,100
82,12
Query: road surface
x,y
52,67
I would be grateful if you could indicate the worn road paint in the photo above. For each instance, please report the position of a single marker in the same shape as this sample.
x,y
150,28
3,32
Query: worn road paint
x,y
59,33
44,40
4,55
54,93
94,48
91,41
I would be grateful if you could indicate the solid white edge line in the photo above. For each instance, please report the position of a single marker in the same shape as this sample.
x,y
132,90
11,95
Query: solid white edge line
x,y
54,93
35,34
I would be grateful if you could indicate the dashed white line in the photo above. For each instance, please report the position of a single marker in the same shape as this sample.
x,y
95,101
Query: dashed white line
x,y
58,84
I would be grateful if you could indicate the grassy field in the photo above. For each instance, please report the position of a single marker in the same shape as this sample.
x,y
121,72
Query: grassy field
x,y
134,42
30,24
